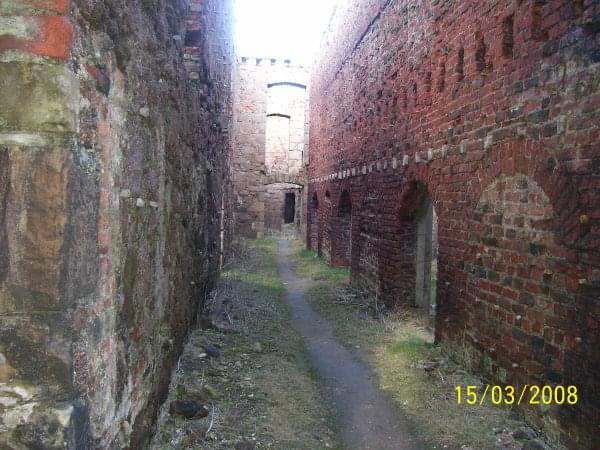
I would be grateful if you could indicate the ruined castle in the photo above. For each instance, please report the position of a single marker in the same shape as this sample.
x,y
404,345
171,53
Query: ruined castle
x,y
460,137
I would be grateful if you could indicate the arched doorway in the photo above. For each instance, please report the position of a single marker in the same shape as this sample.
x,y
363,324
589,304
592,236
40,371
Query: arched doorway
x,y
326,232
314,223
343,241
418,249
426,257
283,209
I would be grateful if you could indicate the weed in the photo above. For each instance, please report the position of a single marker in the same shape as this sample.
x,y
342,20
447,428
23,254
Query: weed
x,y
416,375
267,393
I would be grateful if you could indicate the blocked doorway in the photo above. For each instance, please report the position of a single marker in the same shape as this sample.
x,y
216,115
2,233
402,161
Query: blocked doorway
x,y
313,232
343,241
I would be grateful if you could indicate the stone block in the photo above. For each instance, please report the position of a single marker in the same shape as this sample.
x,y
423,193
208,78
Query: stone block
x,y
34,225
30,7
37,98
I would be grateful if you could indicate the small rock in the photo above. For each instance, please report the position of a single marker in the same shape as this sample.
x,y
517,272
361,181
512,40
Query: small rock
x,y
257,347
153,204
145,111
534,444
524,434
140,203
245,445
429,365
125,193
193,392
206,323
211,350
190,409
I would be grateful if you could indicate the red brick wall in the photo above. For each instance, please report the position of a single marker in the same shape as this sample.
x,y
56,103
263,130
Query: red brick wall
x,y
491,109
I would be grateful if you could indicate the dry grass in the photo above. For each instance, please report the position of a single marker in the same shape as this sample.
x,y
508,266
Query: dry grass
x,y
264,389
415,374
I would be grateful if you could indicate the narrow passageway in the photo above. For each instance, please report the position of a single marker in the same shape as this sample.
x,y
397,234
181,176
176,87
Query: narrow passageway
x,y
365,418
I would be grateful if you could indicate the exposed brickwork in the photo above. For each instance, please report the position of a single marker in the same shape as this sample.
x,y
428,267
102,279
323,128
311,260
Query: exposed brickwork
x,y
491,109
114,188
50,36
269,139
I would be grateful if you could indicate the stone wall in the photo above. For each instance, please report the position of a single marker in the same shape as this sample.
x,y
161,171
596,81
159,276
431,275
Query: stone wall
x,y
491,110
269,140
113,170
275,194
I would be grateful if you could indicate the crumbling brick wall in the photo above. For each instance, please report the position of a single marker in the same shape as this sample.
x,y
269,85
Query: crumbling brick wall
x,y
113,169
491,110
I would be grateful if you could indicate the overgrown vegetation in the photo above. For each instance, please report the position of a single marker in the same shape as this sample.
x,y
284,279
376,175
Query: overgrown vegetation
x,y
414,373
263,390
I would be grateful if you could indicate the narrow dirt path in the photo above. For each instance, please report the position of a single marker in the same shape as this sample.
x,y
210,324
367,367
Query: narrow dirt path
x,y
365,418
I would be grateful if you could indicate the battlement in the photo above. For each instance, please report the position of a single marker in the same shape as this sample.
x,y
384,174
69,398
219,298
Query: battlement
x,y
268,61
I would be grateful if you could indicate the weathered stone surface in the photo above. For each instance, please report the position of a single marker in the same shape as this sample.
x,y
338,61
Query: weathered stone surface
x,y
33,6
34,226
97,294
38,98
270,145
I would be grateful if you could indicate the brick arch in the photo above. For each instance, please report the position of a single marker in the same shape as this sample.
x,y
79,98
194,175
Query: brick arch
x,y
530,159
284,177
341,227
315,201
344,205
325,222
367,267
416,185
286,83
514,282
398,280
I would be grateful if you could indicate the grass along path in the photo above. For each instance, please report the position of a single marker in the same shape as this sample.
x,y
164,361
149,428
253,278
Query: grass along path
x,y
260,391
414,373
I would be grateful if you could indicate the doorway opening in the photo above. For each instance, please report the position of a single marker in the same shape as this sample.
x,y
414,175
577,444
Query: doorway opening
x,y
314,224
289,214
343,245
427,250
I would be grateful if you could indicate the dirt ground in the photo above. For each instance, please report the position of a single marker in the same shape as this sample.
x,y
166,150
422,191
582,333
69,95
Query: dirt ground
x,y
289,356
255,377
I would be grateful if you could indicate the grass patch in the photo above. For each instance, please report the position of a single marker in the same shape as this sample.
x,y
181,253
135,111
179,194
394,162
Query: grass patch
x,y
265,388
412,347
308,264
415,374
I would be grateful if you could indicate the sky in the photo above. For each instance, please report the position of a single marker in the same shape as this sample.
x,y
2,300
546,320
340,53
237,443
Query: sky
x,y
280,29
